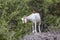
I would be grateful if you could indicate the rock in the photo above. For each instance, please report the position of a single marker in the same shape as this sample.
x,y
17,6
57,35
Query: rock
x,y
42,36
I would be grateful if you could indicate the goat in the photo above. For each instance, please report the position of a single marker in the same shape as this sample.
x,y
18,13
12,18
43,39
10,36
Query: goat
x,y
34,18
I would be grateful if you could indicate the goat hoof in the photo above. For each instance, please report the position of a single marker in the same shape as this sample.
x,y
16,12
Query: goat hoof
x,y
35,31
32,31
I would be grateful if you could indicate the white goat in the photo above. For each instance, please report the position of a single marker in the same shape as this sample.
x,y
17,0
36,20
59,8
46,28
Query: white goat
x,y
34,18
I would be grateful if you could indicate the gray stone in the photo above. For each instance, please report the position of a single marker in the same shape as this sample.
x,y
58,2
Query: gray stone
x,y
42,36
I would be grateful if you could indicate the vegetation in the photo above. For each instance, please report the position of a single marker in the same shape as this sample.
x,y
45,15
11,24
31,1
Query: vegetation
x,y
11,12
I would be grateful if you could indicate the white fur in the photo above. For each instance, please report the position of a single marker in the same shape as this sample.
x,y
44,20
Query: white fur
x,y
34,18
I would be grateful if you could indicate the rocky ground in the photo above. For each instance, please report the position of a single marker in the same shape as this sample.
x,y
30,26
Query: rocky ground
x,y
42,36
